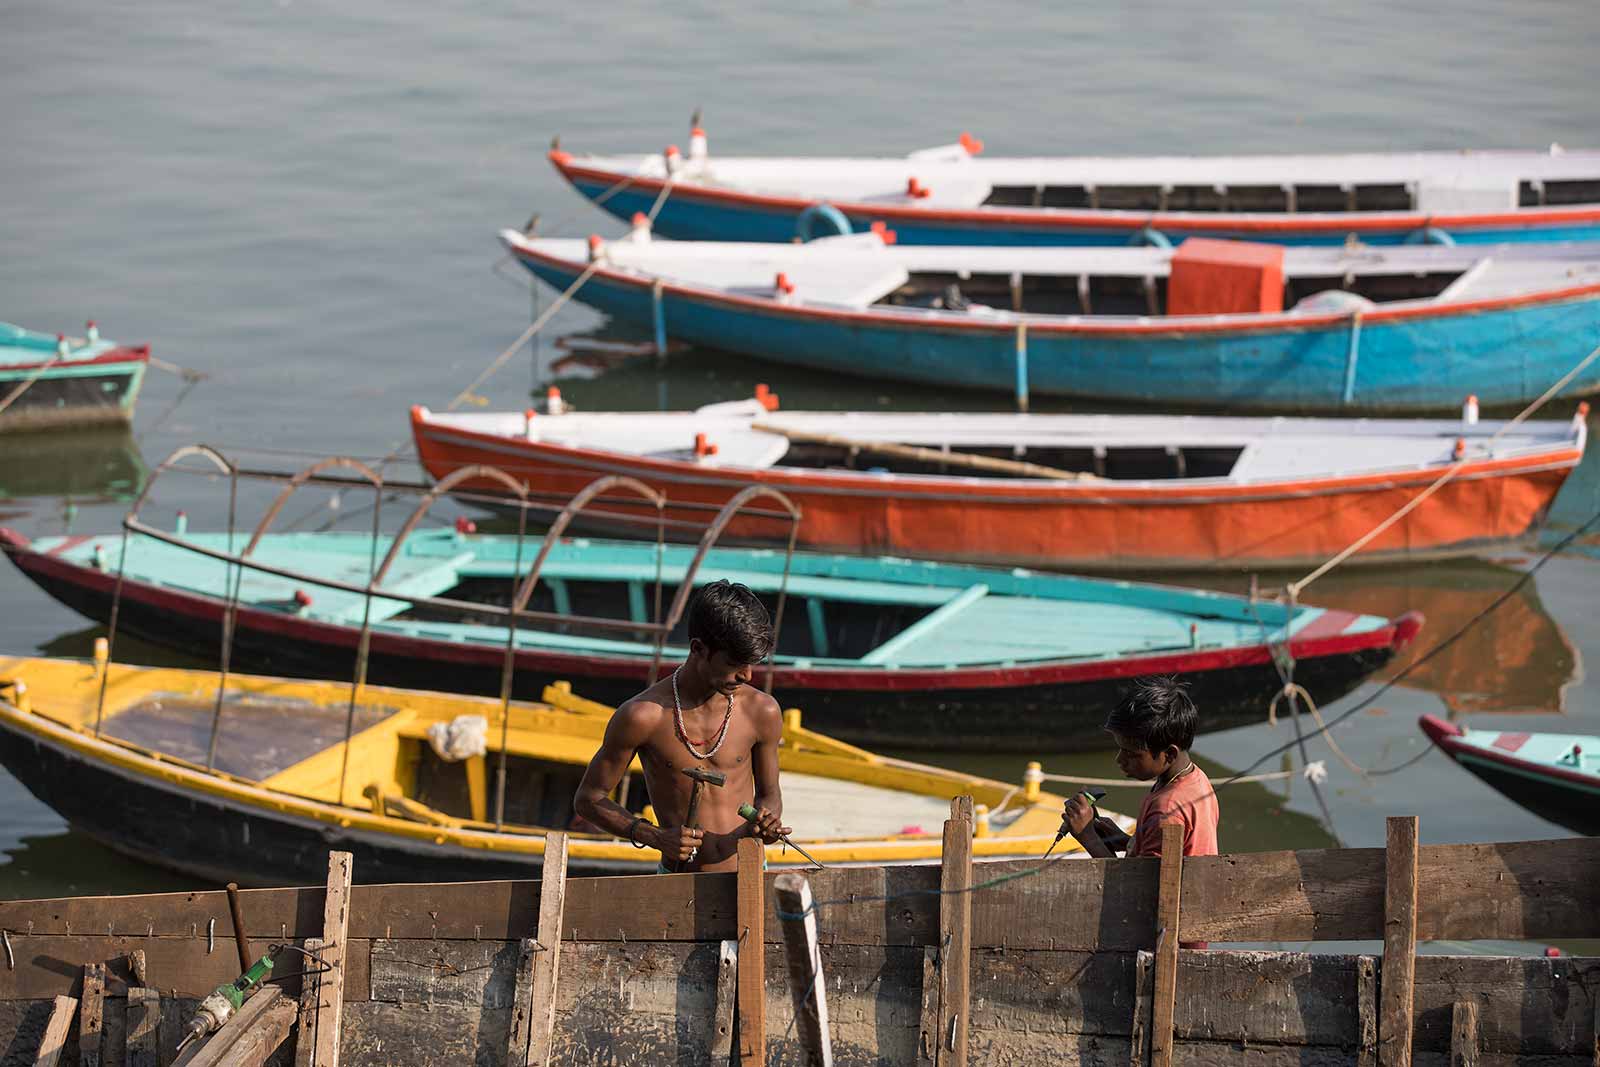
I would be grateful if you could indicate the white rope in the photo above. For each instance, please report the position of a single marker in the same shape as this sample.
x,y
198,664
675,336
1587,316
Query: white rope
x,y
1291,690
1110,782
522,339
1367,538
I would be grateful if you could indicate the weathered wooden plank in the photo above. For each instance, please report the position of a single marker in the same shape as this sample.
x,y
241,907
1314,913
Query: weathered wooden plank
x,y
54,1042
1366,1011
928,1019
547,963
144,1028
49,966
1520,890
1167,931
1250,996
1311,895
1526,1006
310,1014
522,1003
752,954
1144,992
432,973
804,958
91,1014
335,929
726,995
252,1034
955,936
1464,1034
1397,990
171,1008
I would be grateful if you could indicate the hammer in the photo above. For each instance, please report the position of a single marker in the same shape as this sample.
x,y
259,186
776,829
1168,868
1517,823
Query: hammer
x,y
702,778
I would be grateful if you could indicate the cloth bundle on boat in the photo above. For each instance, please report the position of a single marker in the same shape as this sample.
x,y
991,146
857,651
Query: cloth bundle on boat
x,y
954,195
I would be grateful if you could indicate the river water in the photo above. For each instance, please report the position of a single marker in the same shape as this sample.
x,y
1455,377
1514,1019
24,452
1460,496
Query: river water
x,y
300,200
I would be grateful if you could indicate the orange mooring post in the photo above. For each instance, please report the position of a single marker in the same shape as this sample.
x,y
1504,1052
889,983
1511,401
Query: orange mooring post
x,y
1212,277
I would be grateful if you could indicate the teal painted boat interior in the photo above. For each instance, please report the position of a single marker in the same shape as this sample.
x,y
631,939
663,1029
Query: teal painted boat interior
x,y
841,610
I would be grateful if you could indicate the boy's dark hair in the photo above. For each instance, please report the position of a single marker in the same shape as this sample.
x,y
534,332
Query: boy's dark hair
x,y
728,618
1158,712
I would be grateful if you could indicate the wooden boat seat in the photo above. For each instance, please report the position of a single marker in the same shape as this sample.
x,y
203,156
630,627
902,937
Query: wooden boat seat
x,y
400,807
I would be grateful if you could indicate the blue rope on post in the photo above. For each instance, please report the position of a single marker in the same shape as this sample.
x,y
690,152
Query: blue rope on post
x,y
1022,367
1351,357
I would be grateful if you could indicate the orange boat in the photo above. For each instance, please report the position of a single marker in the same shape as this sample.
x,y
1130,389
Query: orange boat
x,y
1081,491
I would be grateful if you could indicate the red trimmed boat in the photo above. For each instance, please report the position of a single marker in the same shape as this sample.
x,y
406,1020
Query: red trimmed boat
x,y
1082,492
1555,776
47,382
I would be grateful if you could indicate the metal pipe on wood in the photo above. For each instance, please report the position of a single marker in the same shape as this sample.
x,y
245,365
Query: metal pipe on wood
x,y
1015,467
240,938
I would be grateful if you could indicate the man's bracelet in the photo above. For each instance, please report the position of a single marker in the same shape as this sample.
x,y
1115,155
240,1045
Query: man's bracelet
x,y
634,825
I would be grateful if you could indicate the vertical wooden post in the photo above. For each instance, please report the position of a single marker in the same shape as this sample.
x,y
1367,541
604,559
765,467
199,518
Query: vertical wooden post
x,y
1367,1011
955,934
91,1015
928,1037
752,954
55,1032
1396,983
547,958
804,956
1144,969
1464,1034
1167,926
144,1028
305,1032
328,1007
727,993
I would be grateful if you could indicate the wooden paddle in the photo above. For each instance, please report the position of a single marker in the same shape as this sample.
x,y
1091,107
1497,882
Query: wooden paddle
x,y
1015,467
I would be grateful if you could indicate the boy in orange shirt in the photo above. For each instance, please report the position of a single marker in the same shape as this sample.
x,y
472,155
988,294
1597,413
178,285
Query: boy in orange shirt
x,y
1153,728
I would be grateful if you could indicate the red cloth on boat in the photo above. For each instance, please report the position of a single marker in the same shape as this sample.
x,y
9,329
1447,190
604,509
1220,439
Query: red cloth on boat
x,y
1190,801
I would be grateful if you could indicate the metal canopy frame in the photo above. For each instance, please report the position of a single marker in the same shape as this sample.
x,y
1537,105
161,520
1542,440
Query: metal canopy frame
x,y
522,588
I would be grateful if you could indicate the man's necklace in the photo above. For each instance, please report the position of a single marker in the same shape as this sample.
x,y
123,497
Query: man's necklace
x,y
683,735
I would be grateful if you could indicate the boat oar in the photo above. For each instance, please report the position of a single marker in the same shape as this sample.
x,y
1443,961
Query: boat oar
x,y
748,813
1015,467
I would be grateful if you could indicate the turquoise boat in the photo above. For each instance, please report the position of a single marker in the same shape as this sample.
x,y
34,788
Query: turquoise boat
x,y
1210,324
875,650
51,380
1555,776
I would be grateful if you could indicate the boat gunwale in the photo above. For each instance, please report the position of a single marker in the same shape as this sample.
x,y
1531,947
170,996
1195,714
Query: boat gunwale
x,y
1453,742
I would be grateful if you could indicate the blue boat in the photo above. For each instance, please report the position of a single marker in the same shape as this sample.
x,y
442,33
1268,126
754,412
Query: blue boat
x,y
51,380
874,649
950,195
1213,324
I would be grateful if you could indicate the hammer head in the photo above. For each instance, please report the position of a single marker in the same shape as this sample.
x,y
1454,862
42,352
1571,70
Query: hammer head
x,y
700,774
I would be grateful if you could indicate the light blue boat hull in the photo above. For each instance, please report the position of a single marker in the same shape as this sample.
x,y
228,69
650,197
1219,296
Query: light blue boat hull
x,y
1504,356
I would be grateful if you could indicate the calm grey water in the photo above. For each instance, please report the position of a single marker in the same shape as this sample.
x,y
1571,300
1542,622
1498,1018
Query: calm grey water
x,y
300,199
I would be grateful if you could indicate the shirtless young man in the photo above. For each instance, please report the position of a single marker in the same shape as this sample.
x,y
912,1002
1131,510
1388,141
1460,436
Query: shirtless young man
x,y
705,714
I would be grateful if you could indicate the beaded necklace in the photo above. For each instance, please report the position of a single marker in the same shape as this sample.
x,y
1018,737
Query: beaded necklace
x,y
683,735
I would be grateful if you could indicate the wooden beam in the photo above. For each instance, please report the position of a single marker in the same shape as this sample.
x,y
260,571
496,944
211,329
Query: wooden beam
x,y
804,955
330,984
547,958
91,1014
1367,1011
144,1028
1397,981
752,954
955,934
520,1029
727,993
246,1040
305,1031
1167,926
928,1033
55,1032
1464,1034
1144,970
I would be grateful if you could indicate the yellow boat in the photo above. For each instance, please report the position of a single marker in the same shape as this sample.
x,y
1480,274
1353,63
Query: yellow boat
x,y
260,798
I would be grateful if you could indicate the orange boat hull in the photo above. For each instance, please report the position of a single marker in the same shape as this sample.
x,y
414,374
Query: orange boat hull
x,y
1078,525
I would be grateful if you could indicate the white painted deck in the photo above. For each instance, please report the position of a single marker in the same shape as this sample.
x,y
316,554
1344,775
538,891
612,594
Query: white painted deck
x,y
1468,180
856,270
1273,448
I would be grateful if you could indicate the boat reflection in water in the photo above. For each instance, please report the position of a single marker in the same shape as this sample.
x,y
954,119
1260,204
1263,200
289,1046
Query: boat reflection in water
x,y
83,466
1516,658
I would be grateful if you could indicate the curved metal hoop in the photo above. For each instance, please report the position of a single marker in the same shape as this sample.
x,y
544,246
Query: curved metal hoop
x,y
300,479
